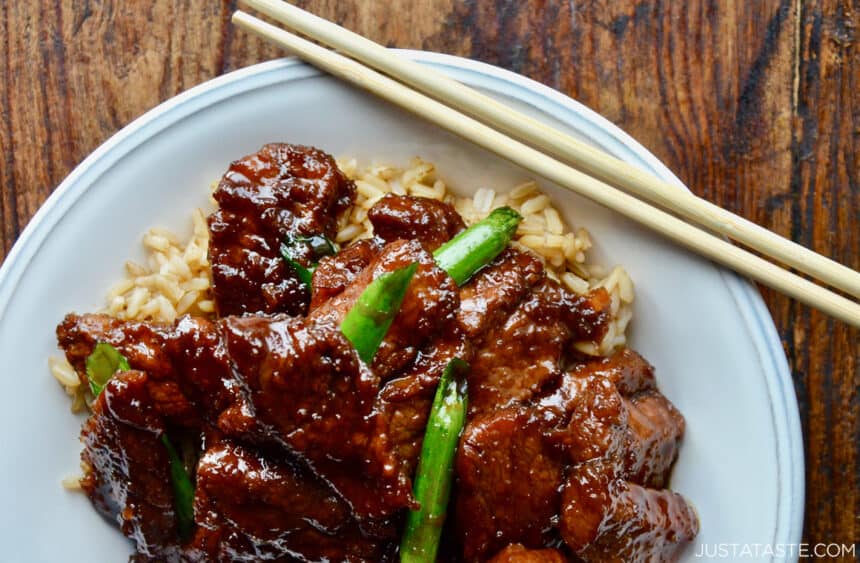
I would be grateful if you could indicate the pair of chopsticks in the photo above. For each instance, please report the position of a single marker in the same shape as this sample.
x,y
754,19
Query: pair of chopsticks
x,y
566,161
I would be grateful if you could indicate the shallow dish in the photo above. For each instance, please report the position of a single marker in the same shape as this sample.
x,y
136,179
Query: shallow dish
x,y
714,345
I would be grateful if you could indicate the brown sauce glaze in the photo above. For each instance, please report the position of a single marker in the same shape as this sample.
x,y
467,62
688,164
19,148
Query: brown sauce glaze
x,y
517,553
302,452
128,476
430,222
280,191
260,508
429,305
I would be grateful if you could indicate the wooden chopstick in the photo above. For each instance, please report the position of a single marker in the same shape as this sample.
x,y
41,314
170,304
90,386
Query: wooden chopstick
x,y
691,237
562,146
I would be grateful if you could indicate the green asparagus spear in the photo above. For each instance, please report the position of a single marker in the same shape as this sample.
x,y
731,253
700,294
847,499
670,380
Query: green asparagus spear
x,y
102,363
183,491
461,258
476,247
367,322
436,467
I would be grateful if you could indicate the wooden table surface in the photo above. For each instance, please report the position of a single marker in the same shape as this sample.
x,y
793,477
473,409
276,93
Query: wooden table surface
x,y
754,105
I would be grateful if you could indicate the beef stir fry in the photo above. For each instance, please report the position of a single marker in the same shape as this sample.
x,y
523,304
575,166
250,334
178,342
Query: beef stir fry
x,y
315,417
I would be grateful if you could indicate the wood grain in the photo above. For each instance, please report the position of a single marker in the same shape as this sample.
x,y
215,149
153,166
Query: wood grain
x,y
755,105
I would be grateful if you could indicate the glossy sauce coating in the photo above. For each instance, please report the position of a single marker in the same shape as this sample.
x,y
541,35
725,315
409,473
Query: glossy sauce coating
x,y
517,553
301,452
128,479
280,191
430,222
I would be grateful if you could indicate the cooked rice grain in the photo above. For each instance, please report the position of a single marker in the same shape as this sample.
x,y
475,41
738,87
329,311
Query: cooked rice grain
x,y
72,482
65,374
174,282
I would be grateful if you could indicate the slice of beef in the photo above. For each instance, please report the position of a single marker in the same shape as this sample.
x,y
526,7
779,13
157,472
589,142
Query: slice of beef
x,y
655,432
304,380
403,404
257,508
606,518
128,475
436,222
335,273
187,371
620,433
606,419
517,553
626,369
507,483
495,291
430,222
141,343
270,381
611,408
429,305
306,383
522,325
278,192
145,347
523,355
586,416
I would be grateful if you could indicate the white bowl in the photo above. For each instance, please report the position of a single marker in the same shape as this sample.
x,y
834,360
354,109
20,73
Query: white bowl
x,y
707,331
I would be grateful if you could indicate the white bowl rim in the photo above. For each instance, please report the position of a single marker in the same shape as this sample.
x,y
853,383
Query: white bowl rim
x,y
751,307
